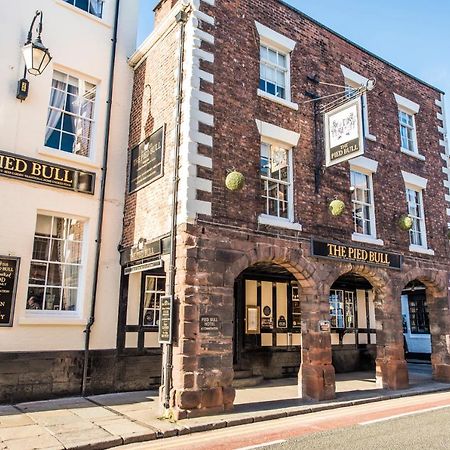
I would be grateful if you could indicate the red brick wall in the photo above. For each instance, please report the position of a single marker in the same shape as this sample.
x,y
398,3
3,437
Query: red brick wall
x,y
237,141
147,211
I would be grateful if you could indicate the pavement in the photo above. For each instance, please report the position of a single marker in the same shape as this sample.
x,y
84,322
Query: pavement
x,y
105,421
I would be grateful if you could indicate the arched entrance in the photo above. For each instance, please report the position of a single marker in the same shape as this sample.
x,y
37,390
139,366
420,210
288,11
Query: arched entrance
x,y
267,324
425,310
353,324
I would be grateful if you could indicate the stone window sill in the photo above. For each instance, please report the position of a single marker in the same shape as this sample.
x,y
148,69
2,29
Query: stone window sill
x,y
280,101
264,219
371,137
46,319
413,154
366,239
69,157
419,249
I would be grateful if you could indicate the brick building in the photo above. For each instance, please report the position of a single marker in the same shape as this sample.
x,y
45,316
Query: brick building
x,y
268,265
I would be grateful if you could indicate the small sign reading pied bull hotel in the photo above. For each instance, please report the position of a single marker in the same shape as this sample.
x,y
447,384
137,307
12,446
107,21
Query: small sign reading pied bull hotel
x,y
43,172
344,133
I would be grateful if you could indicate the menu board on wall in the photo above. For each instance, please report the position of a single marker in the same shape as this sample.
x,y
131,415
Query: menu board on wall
x,y
146,161
9,270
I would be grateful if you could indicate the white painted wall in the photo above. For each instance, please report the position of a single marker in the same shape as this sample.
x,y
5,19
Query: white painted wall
x,y
79,43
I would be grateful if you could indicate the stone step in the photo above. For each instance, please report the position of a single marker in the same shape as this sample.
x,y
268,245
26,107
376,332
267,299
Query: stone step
x,y
239,374
247,382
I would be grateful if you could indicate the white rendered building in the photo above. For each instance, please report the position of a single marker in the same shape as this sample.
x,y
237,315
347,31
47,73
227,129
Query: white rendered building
x,y
52,164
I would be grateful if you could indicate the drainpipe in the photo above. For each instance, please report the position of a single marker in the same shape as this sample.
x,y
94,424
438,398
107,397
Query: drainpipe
x,y
181,19
91,320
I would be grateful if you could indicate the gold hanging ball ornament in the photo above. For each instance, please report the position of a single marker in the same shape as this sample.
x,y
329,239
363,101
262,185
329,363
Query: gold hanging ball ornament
x,y
405,223
235,181
337,208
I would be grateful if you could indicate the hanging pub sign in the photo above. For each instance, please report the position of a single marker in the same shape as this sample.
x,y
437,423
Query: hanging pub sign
x,y
9,270
348,253
146,161
165,320
43,172
344,133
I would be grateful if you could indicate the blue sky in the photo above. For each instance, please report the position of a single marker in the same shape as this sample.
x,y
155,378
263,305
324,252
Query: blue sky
x,y
412,34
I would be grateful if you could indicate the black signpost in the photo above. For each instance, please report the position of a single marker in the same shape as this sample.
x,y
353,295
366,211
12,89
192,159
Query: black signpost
x,y
165,320
43,172
146,162
9,271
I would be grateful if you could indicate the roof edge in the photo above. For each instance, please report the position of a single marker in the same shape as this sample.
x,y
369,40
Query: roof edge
x,y
360,47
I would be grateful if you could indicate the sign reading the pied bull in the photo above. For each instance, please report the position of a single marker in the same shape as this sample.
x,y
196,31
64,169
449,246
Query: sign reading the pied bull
x,y
9,271
344,137
349,253
146,161
43,172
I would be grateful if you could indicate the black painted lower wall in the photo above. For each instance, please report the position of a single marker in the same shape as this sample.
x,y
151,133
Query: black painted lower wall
x,y
28,376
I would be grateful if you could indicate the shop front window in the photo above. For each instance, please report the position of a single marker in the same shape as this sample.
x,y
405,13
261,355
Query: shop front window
x,y
56,264
155,287
418,315
342,309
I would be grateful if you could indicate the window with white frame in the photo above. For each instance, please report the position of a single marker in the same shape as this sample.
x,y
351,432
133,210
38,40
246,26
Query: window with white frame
x,y
276,180
273,71
407,112
94,7
417,235
274,66
56,264
362,201
353,81
407,131
70,119
155,287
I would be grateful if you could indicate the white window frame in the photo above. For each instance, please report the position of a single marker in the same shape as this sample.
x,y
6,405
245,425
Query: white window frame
x,y
418,184
61,154
282,44
355,80
159,293
61,317
367,167
411,108
274,135
87,11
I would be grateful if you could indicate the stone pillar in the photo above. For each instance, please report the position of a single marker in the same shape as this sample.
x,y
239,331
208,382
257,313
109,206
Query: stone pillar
x,y
203,360
316,379
391,366
438,309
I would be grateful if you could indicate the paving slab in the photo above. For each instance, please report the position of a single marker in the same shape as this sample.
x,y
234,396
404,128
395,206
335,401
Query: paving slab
x,y
20,432
47,442
96,438
128,431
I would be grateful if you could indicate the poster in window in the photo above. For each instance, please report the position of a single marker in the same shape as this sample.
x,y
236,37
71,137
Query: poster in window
x,y
147,161
344,137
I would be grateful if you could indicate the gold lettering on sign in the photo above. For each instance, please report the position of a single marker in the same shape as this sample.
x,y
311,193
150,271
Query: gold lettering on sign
x,y
357,254
36,169
21,166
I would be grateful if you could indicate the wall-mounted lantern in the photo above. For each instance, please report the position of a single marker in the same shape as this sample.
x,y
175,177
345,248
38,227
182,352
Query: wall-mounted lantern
x,y
36,55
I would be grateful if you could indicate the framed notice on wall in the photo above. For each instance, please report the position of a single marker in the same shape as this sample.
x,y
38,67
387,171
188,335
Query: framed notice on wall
x,y
147,161
9,272
344,137
252,320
